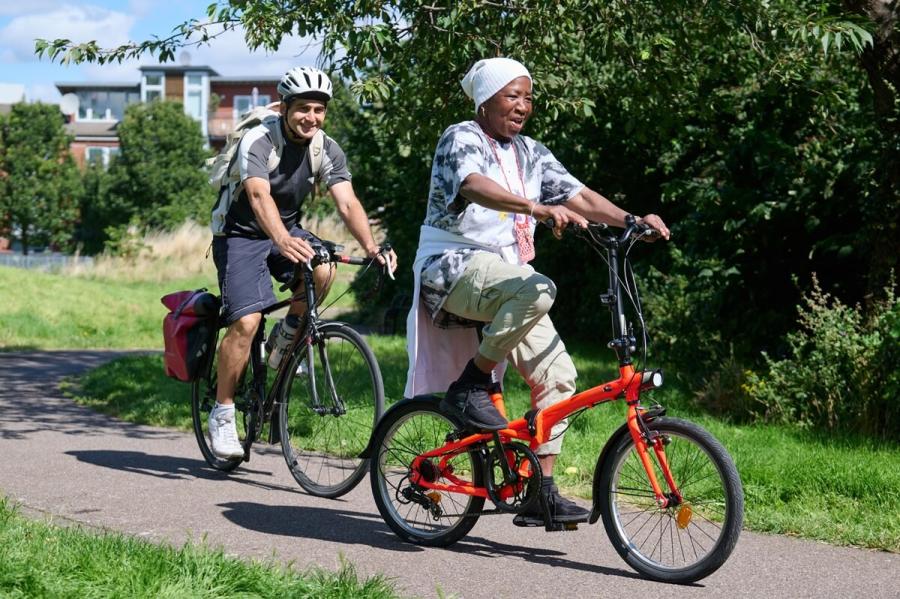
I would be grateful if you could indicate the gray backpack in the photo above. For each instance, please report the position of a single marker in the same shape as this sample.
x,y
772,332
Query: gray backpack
x,y
224,174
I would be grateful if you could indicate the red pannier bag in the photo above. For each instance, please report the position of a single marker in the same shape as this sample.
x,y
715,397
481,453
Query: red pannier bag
x,y
189,331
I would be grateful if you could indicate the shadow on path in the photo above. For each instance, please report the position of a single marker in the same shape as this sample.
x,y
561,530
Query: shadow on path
x,y
358,528
25,376
172,468
308,522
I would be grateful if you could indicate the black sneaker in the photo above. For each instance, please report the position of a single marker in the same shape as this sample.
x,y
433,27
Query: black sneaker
x,y
562,510
470,403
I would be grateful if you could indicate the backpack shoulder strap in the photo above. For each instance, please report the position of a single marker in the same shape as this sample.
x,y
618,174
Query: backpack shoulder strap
x,y
316,151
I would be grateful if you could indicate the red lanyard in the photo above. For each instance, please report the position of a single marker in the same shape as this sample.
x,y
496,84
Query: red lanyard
x,y
500,164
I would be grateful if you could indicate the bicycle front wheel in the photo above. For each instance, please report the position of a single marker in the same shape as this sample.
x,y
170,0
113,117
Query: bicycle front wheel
x,y
328,409
414,513
690,540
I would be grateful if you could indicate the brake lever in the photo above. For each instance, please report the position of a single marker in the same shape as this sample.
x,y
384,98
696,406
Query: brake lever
x,y
385,251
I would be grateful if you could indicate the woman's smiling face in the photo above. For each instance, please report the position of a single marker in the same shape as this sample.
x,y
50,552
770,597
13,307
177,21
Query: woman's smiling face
x,y
505,113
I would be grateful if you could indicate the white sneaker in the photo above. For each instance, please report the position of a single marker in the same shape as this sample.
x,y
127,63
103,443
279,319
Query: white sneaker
x,y
223,434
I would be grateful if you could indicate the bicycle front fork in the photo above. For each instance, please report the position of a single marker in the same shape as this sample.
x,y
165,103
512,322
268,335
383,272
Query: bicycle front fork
x,y
643,439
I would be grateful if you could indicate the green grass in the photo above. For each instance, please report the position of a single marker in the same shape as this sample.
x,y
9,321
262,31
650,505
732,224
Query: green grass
x,y
42,560
49,311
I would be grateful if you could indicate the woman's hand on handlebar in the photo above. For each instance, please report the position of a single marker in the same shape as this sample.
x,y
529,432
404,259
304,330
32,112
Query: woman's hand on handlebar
x,y
656,223
562,217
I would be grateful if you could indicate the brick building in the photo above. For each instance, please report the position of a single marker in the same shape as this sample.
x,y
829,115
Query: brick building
x,y
94,110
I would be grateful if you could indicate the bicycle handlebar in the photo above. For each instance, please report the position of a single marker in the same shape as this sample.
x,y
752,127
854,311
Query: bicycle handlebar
x,y
632,228
329,253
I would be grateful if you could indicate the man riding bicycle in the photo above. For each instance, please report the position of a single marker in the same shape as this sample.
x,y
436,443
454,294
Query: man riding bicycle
x,y
489,185
260,236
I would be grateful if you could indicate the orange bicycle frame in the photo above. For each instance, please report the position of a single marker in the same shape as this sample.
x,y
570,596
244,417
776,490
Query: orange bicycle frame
x,y
628,384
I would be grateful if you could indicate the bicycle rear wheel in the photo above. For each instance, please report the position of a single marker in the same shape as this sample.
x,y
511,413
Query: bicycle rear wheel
x,y
327,411
415,514
679,544
203,400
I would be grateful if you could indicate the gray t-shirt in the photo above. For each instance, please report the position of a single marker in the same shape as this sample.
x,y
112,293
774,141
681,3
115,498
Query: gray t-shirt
x,y
290,182
523,166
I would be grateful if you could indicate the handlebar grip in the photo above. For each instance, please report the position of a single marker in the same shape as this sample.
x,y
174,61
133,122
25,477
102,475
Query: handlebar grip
x,y
550,223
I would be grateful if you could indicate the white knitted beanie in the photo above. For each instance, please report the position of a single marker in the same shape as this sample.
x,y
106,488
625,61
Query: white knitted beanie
x,y
490,75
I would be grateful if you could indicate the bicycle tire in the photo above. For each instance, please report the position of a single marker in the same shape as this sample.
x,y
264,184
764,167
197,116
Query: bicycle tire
x,y
410,430
322,450
691,541
203,399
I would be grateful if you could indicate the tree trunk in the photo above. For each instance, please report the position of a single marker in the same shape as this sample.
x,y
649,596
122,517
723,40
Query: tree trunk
x,y
881,61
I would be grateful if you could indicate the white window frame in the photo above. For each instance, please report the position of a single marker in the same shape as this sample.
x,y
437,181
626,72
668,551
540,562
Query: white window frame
x,y
89,112
160,87
203,88
106,154
261,100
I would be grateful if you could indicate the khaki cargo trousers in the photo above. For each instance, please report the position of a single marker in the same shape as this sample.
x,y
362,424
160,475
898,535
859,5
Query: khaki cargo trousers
x,y
514,301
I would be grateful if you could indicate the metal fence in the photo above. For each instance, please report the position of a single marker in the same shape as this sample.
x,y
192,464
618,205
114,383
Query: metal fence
x,y
46,262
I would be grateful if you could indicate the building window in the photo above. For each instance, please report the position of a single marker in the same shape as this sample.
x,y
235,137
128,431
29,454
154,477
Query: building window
x,y
193,104
100,155
196,98
101,105
244,103
153,87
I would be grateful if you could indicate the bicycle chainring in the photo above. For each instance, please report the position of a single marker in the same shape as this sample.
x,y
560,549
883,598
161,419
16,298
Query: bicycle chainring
x,y
516,495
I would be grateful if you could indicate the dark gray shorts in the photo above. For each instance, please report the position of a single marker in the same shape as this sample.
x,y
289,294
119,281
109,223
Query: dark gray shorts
x,y
246,268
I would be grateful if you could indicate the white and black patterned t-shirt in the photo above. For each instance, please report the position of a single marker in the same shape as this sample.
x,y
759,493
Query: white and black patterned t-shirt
x,y
291,181
464,149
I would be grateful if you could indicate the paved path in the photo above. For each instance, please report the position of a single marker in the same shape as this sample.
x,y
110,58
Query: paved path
x,y
65,461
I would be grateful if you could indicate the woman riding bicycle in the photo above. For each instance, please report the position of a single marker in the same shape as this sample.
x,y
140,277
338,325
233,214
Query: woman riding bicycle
x,y
489,186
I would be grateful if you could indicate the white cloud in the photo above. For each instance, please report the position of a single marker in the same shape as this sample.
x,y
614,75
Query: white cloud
x,y
141,8
43,92
77,23
229,55
127,71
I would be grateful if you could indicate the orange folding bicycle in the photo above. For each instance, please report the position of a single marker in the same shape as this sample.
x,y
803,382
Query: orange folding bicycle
x,y
668,492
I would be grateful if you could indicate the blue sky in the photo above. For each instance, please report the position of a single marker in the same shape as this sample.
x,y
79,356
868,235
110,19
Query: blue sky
x,y
112,22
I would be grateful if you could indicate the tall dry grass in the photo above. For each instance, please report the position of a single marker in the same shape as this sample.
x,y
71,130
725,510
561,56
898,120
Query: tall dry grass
x,y
164,256
183,253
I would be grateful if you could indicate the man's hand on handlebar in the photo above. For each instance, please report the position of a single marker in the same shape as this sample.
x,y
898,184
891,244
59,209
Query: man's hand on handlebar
x,y
294,248
562,217
386,258
656,223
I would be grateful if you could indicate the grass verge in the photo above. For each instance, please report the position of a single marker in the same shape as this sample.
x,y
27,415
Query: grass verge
x,y
49,311
42,560
843,491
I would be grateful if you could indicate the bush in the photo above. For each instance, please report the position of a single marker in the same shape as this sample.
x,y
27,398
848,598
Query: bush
x,y
843,371
157,181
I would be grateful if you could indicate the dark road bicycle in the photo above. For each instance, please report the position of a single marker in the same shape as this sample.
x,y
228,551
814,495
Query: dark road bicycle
x,y
667,491
321,402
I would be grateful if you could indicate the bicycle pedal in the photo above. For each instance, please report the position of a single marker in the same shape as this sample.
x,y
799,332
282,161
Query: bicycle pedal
x,y
535,522
561,527
528,521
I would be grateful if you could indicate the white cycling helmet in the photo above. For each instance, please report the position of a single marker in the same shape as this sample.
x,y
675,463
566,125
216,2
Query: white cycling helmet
x,y
305,82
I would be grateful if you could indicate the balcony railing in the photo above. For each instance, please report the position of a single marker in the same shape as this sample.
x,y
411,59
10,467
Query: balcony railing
x,y
220,126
